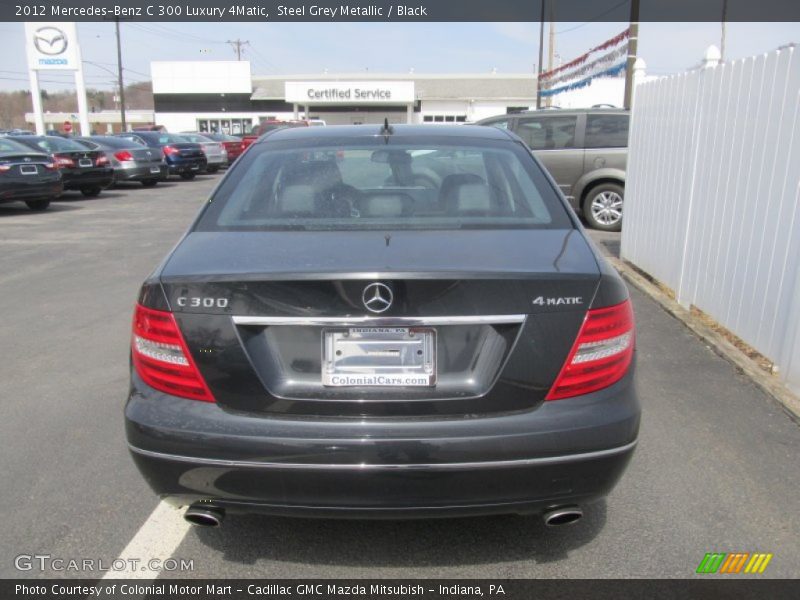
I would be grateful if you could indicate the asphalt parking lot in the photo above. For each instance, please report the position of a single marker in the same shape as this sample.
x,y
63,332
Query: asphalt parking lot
x,y
716,468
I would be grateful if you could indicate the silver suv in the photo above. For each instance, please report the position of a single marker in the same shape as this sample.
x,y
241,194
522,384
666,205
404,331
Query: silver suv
x,y
585,151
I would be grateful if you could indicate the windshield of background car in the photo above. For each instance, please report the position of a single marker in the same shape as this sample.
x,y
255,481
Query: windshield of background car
x,y
369,184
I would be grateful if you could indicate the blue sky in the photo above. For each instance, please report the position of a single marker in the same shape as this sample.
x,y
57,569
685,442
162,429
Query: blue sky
x,y
285,48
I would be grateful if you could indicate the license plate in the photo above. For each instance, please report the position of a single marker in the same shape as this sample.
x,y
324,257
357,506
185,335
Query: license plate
x,y
28,169
379,357
155,169
85,162
195,167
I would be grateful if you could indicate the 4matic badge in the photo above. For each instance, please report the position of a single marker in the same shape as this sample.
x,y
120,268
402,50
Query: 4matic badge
x,y
557,300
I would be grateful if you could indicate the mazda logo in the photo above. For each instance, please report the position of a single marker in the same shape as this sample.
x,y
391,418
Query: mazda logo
x,y
377,297
50,40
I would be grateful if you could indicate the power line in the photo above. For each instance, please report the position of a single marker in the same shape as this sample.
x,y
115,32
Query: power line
x,y
592,20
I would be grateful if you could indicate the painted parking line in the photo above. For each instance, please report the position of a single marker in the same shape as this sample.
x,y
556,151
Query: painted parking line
x,y
155,542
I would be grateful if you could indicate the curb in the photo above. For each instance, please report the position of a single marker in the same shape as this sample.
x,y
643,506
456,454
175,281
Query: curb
x,y
768,384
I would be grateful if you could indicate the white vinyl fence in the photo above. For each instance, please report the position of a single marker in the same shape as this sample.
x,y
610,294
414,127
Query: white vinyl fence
x,y
712,202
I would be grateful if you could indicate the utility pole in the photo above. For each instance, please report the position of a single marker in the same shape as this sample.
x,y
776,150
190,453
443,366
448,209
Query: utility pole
x,y
633,44
541,59
120,81
551,47
237,45
724,27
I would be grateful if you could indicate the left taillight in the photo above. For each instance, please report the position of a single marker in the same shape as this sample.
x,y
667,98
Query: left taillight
x,y
161,357
601,355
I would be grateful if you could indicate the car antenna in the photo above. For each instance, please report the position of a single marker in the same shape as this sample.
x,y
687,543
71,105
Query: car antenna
x,y
387,129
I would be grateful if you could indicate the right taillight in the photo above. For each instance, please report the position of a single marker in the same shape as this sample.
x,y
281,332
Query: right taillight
x,y
161,357
64,162
601,354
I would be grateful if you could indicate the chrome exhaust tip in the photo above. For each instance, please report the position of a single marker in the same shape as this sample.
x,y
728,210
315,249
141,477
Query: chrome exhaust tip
x,y
562,515
204,516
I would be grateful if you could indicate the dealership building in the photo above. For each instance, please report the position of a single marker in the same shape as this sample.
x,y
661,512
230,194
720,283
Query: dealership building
x,y
225,96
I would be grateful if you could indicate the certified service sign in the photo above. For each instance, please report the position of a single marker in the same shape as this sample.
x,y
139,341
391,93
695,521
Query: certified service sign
x,y
349,92
51,46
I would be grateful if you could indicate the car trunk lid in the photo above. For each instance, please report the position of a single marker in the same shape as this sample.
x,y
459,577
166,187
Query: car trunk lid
x,y
256,309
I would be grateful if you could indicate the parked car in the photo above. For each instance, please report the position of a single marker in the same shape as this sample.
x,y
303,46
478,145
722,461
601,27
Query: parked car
x,y
216,155
28,175
233,145
585,151
182,157
346,332
81,168
130,160
268,125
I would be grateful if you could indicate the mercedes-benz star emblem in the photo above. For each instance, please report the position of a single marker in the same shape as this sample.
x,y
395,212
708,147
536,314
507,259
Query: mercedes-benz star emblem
x,y
377,297
50,40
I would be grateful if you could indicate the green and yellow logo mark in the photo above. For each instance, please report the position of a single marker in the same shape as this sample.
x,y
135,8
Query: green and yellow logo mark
x,y
734,562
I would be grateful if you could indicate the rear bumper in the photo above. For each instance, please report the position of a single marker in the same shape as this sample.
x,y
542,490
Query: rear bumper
x,y
41,190
140,173
187,166
96,178
563,452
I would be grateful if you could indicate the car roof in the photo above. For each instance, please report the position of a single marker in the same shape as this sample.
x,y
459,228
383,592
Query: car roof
x,y
560,111
405,131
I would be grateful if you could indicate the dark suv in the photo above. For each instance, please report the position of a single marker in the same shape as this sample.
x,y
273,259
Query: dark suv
x,y
585,151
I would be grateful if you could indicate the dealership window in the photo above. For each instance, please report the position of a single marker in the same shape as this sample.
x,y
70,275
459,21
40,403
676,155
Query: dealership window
x,y
228,126
444,118
548,133
606,131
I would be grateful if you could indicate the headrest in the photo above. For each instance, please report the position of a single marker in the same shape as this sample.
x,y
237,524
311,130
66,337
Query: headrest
x,y
385,205
472,198
296,200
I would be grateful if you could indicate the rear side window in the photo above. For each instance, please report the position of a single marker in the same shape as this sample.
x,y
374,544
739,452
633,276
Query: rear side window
x,y
548,133
606,131
500,124
369,184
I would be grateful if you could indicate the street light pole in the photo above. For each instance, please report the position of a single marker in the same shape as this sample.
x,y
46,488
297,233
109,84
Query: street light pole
x,y
121,83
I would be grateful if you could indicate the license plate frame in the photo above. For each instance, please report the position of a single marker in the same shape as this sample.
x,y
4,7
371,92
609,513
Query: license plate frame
x,y
155,170
379,357
85,162
28,169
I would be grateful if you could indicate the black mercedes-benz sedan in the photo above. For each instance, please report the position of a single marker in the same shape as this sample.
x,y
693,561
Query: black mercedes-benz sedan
x,y
372,321
27,175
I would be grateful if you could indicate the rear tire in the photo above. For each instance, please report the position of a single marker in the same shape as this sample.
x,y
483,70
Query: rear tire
x,y
187,176
38,205
91,192
150,182
603,207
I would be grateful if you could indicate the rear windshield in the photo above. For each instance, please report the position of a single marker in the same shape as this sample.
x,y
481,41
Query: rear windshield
x,y
10,146
57,144
169,138
369,184
113,142
193,137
